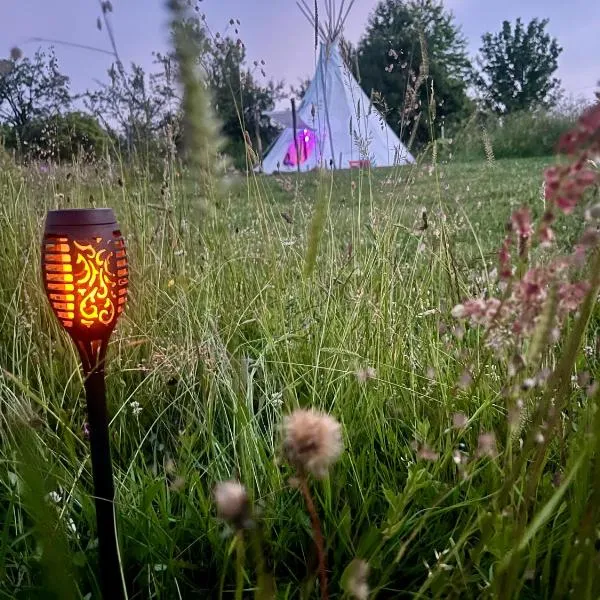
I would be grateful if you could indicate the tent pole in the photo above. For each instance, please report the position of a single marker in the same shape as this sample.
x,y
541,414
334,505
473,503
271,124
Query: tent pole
x,y
295,134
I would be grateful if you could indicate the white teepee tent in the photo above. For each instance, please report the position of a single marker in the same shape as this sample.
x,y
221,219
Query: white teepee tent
x,y
337,126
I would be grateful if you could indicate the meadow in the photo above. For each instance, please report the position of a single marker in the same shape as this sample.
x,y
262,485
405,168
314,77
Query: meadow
x,y
332,291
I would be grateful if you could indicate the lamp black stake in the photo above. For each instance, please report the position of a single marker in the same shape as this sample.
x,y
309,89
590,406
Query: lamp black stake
x,y
84,265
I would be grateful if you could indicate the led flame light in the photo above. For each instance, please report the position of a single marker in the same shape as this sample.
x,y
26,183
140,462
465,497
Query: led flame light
x,y
84,267
85,276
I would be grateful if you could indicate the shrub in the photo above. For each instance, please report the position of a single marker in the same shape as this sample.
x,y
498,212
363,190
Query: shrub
x,y
61,137
524,134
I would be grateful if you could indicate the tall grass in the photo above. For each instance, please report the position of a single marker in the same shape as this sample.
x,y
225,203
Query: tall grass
x,y
329,291
525,134
224,335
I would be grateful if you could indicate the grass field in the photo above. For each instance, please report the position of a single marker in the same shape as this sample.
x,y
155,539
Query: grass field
x,y
241,314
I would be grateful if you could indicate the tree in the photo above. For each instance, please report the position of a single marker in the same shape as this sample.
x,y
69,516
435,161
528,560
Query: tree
x,y
32,89
134,104
517,68
411,48
300,91
65,137
240,100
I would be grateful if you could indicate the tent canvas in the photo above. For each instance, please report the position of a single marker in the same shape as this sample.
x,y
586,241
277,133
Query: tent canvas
x,y
337,124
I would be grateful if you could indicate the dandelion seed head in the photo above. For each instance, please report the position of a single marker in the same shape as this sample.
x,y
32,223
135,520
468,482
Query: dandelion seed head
x,y
486,445
365,373
427,453
233,505
459,420
465,380
312,441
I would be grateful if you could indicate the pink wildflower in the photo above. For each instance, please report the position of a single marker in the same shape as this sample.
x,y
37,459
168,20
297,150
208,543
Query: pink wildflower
x,y
566,184
571,295
521,222
479,311
546,234
585,133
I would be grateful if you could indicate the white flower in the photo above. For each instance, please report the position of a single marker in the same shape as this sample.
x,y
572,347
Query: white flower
x,y
54,497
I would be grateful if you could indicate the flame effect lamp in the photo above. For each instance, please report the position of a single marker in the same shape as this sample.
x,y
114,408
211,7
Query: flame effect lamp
x,y
84,267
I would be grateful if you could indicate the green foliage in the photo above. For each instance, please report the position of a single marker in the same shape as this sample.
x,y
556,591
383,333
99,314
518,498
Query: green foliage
x,y
517,68
240,100
60,138
36,484
523,134
32,88
134,105
403,40
223,336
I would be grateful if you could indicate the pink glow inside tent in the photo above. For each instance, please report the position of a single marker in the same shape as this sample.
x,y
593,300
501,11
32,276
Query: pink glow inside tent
x,y
306,140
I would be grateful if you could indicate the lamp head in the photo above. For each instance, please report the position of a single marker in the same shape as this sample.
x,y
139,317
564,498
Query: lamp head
x,y
84,267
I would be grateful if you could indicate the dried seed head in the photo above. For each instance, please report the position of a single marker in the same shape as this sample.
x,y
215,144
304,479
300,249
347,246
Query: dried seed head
x,y
486,445
459,420
357,584
312,441
365,373
232,503
465,380
16,54
427,453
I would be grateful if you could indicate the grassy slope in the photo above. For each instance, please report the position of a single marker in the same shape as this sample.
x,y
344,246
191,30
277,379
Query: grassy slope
x,y
223,335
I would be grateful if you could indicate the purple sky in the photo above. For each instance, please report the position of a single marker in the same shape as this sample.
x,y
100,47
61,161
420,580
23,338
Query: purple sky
x,y
286,42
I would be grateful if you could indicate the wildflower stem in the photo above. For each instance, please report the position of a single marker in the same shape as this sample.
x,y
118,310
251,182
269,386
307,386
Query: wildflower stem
x,y
239,565
264,584
318,535
557,388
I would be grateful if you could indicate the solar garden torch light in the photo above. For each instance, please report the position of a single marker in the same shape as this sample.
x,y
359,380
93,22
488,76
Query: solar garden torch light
x,y
84,266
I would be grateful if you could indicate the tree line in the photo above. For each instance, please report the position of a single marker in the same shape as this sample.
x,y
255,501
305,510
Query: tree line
x,y
412,60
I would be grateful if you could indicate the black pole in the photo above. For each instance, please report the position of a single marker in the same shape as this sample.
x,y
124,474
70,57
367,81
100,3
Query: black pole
x,y
110,572
295,133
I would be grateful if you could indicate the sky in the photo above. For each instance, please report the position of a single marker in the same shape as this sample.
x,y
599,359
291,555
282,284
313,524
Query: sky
x,y
275,31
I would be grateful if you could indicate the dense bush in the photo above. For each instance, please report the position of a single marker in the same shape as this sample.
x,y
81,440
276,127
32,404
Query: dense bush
x,y
522,134
61,137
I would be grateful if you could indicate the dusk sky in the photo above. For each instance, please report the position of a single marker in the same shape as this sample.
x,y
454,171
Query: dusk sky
x,y
277,32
